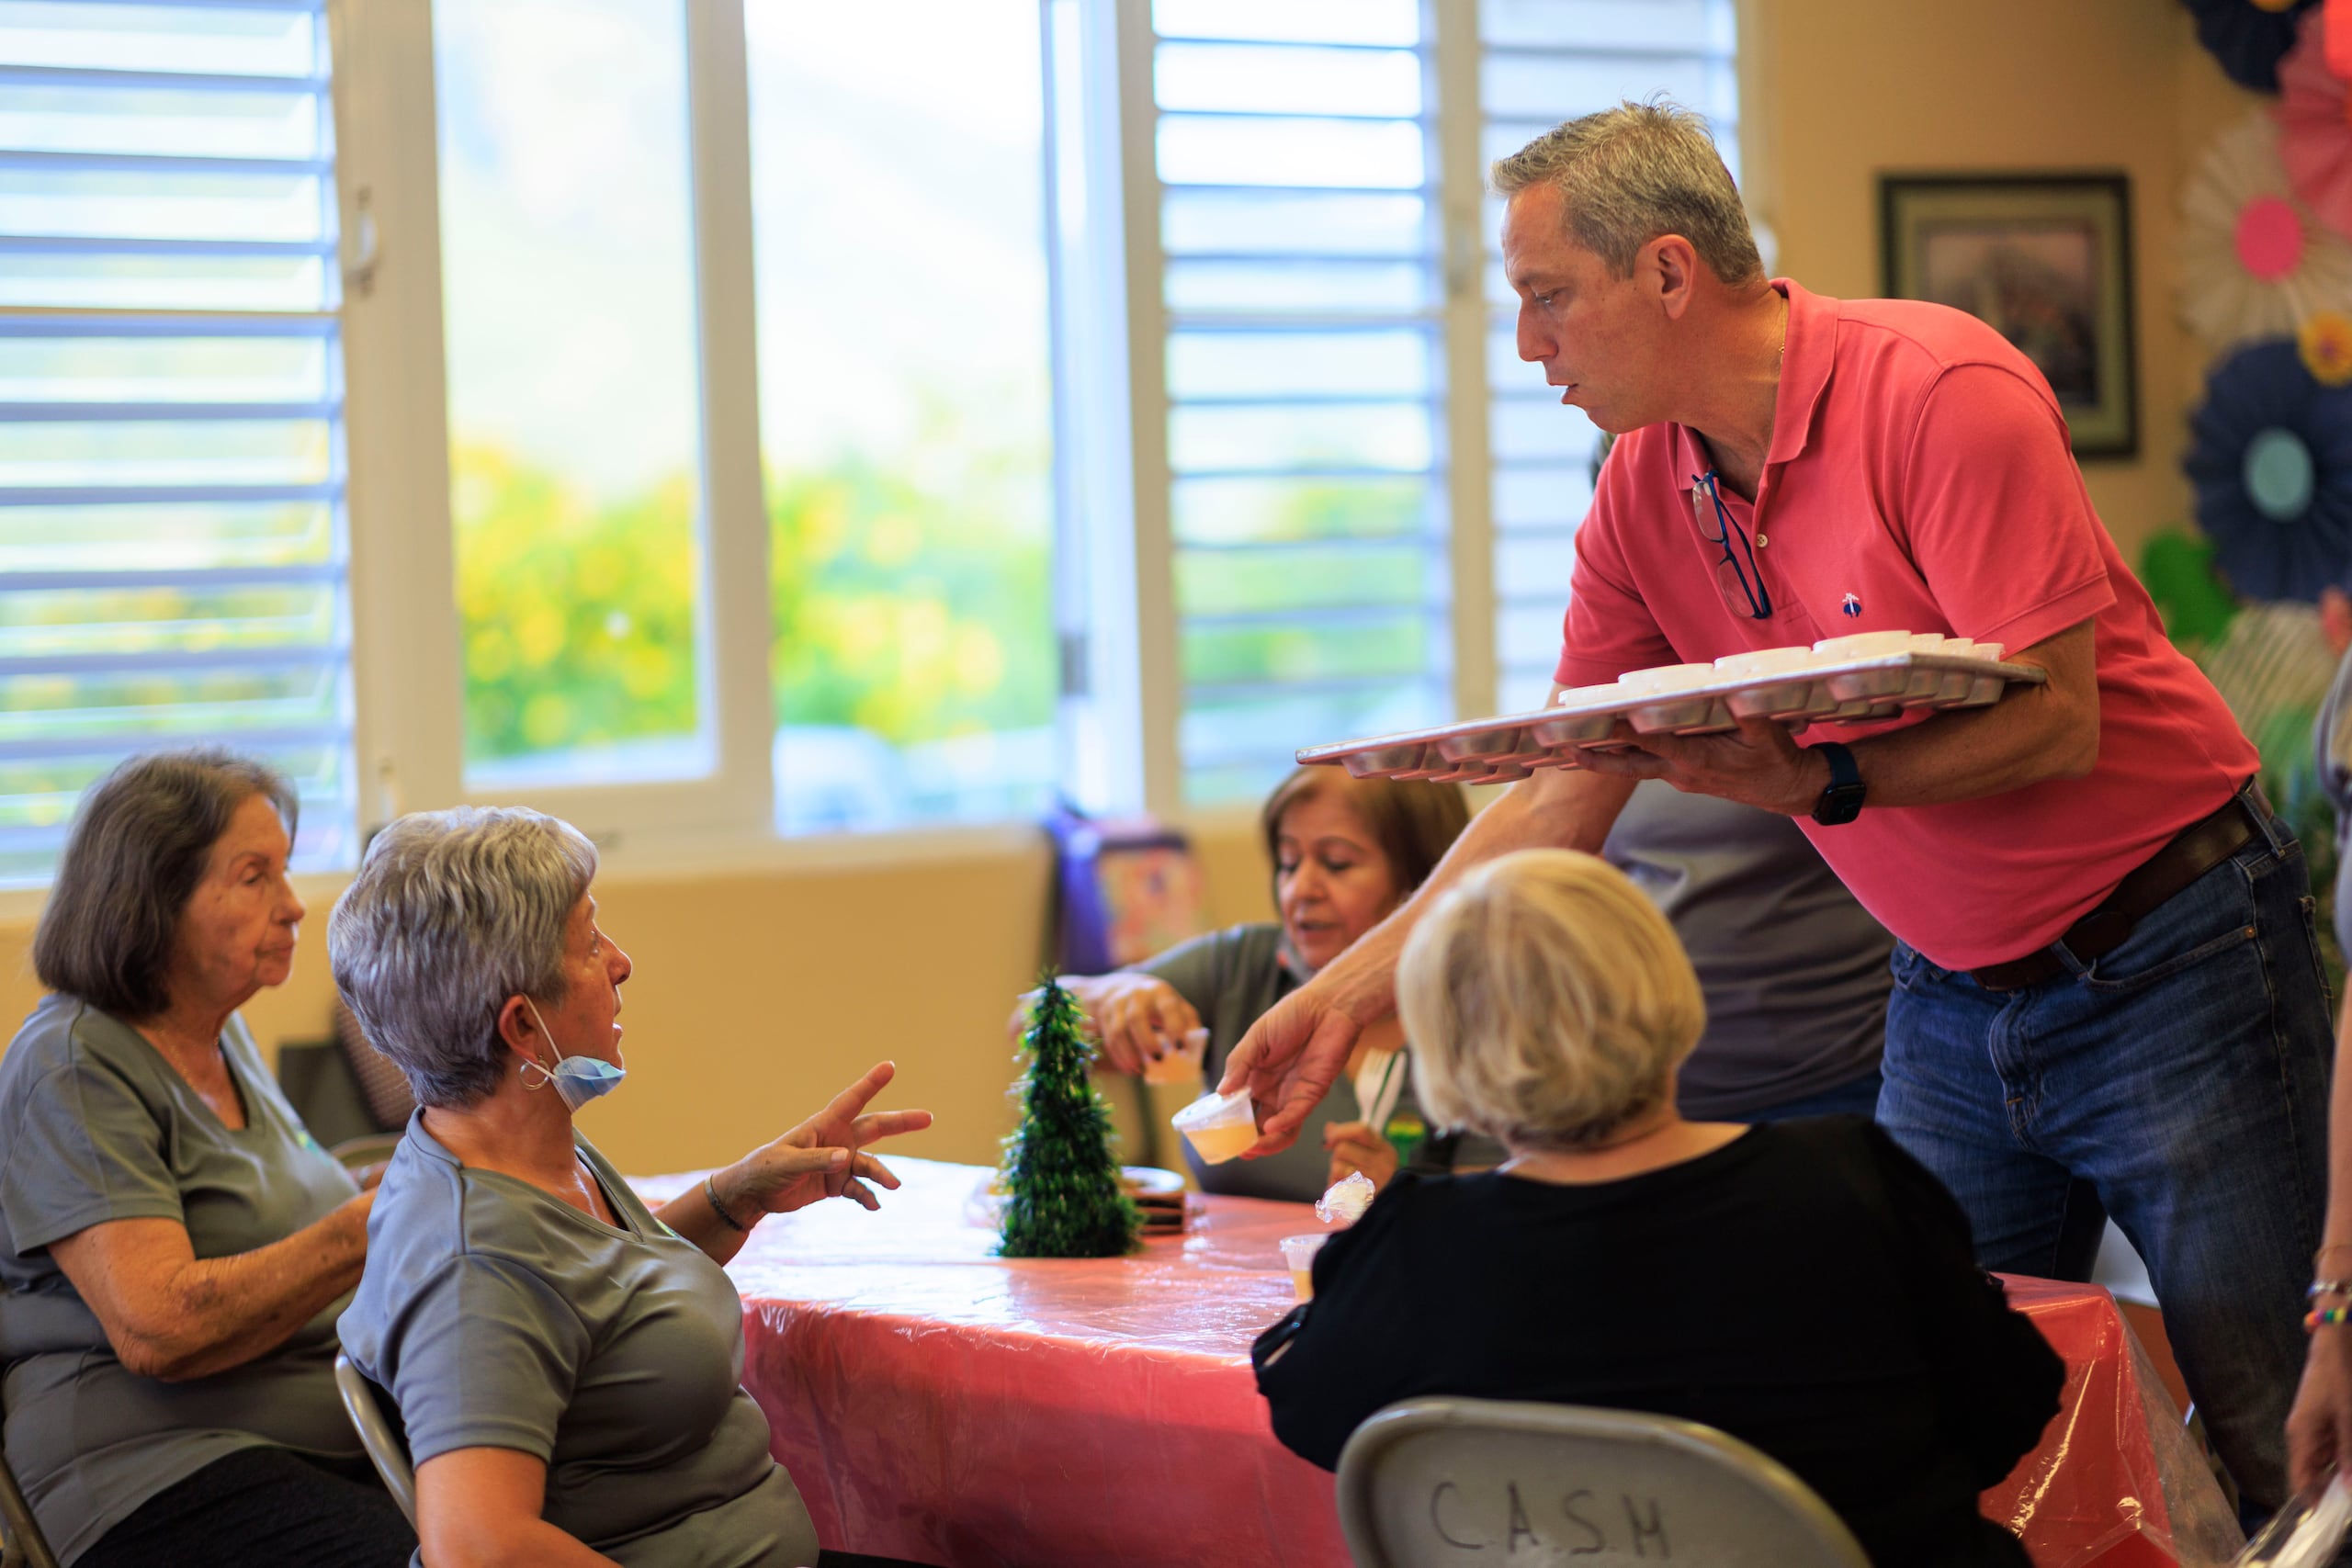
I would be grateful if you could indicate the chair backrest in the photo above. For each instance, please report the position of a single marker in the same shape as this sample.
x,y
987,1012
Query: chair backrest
x,y
1442,1482
364,1404
21,1543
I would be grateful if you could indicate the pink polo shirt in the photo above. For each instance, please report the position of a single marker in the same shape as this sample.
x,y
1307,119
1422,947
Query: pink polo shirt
x,y
1919,479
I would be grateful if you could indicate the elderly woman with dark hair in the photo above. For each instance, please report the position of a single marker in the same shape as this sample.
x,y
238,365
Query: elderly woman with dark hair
x,y
173,1245
1344,853
567,1362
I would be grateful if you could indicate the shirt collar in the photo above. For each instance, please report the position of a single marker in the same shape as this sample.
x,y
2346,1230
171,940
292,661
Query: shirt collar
x,y
1806,357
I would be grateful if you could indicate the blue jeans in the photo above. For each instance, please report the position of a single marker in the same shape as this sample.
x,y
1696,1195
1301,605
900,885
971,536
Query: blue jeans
x,y
2178,1083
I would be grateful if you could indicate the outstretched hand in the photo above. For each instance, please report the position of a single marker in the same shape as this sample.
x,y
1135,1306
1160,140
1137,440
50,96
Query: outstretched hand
x,y
2319,1427
823,1156
1289,1061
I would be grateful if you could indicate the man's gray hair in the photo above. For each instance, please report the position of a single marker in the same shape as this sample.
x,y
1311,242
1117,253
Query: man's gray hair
x,y
1626,176
452,913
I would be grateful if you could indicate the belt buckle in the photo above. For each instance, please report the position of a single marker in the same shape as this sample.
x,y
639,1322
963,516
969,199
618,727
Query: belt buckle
x,y
2018,974
2097,934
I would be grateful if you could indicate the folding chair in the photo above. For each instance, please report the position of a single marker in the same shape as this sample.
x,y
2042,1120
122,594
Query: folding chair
x,y
21,1543
1435,1482
379,1433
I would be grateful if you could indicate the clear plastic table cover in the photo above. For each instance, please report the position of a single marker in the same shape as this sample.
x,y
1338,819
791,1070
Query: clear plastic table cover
x,y
938,1403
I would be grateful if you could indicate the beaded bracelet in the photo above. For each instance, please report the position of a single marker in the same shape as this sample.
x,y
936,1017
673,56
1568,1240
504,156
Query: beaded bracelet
x,y
2313,1319
721,1209
2329,1288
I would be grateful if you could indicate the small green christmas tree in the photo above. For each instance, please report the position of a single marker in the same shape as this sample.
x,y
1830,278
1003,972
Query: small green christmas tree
x,y
1062,1195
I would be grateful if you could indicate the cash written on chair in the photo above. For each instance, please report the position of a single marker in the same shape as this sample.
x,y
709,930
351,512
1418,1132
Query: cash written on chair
x,y
1433,1483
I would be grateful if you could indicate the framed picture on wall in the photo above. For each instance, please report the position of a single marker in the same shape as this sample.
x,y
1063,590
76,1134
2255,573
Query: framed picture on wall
x,y
2046,260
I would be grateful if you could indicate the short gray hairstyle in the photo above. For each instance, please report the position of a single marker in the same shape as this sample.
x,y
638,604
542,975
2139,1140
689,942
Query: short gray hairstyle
x,y
1547,1001
1626,176
141,839
452,913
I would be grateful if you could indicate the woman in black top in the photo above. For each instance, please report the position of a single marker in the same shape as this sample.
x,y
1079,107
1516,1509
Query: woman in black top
x,y
1806,1287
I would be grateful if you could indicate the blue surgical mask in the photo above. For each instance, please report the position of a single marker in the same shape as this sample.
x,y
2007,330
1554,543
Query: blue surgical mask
x,y
577,1079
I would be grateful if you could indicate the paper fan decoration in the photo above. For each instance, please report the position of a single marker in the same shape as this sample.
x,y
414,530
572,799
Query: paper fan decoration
x,y
2254,264
2324,339
2272,467
2247,37
2315,137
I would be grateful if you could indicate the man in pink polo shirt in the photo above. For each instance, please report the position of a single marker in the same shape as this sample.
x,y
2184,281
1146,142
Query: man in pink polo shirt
x,y
2108,1000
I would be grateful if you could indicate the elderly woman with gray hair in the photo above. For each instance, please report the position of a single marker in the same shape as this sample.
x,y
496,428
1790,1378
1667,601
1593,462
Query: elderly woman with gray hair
x,y
173,1245
1804,1285
567,1362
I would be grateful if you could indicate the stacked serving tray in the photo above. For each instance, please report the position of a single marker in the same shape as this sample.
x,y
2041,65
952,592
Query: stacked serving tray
x,y
1847,680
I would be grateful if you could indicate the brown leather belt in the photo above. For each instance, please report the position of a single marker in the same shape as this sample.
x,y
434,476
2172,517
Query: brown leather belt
x,y
2194,851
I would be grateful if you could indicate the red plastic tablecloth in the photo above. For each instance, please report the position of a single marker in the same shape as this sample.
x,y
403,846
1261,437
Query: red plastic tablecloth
x,y
937,1403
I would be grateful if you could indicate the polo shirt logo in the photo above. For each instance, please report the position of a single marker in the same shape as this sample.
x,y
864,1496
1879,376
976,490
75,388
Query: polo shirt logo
x,y
1851,607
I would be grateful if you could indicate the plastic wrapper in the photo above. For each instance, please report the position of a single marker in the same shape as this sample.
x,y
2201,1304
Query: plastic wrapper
x,y
938,1403
2306,1533
1350,1196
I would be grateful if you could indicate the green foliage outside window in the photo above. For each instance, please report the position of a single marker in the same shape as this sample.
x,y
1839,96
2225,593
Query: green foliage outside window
x,y
910,616
577,620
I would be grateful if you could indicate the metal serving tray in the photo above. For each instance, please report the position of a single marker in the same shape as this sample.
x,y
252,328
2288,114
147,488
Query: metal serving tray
x,y
1845,691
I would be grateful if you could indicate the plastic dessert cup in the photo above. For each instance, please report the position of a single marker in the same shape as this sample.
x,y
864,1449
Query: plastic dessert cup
x,y
1984,689
1181,1065
1787,697
1298,1252
1219,1126
1484,745
1667,709
1668,678
1874,685
1864,645
1573,730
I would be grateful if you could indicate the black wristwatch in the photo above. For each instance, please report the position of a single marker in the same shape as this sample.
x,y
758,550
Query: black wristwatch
x,y
1842,802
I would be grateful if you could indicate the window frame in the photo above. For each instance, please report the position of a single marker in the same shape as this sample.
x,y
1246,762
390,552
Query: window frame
x,y
1453,56
1122,700
158,322
407,668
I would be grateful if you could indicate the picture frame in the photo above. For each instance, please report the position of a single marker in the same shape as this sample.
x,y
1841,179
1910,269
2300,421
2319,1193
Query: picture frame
x,y
2043,258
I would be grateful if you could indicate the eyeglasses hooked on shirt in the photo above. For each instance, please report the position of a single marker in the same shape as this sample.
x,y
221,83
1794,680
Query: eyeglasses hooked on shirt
x,y
1741,578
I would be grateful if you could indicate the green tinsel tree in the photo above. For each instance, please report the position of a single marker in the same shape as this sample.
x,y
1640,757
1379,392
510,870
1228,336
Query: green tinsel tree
x,y
1062,1193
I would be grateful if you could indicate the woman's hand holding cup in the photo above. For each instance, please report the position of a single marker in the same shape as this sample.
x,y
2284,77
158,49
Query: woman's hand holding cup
x,y
1141,1018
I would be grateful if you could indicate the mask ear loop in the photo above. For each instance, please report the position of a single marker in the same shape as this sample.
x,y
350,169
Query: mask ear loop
x,y
547,1075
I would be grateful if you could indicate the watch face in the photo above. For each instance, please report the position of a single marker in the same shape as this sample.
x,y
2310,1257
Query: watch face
x,y
1839,804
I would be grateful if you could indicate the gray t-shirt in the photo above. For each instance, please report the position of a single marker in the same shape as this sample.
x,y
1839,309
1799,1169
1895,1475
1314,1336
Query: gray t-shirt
x,y
500,1316
1794,970
95,1125
1231,977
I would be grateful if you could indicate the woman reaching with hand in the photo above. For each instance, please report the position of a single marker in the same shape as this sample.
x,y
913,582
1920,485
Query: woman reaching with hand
x,y
566,1361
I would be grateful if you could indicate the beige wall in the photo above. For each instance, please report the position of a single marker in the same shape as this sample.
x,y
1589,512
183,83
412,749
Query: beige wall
x,y
1995,85
756,996
757,993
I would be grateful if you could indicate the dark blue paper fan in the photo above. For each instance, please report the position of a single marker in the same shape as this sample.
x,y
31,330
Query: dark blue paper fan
x,y
2272,466
2247,40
